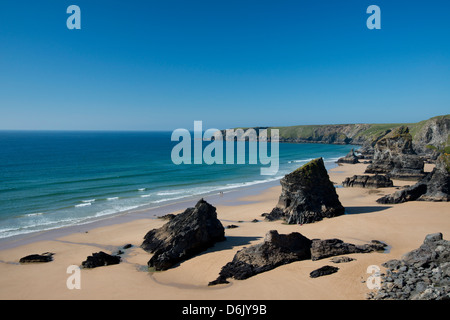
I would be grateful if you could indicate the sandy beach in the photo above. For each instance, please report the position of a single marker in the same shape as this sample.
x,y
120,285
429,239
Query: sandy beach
x,y
403,227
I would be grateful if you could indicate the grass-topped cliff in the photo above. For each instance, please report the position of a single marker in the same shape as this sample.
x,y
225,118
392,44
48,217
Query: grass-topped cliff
x,y
427,134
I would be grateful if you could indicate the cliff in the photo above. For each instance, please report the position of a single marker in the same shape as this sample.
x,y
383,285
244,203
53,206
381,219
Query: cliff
x,y
428,135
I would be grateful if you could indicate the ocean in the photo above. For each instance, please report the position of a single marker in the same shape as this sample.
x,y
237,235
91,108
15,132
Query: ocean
x,y
54,179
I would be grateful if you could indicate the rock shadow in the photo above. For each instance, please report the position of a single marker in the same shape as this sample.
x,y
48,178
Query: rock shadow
x,y
366,209
230,243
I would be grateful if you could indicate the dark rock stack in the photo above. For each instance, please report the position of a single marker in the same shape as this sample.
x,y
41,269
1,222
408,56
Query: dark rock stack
x,y
435,186
394,155
307,196
321,249
422,274
184,236
277,249
350,158
365,181
100,259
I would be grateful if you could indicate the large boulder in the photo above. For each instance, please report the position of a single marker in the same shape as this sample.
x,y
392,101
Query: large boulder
x,y
184,236
307,196
435,186
366,181
394,155
277,249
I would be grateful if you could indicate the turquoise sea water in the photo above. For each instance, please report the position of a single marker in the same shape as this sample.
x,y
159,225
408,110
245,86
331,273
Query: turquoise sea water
x,y
54,179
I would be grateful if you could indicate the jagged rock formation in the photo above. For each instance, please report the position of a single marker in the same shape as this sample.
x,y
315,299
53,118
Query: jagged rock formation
x,y
277,249
100,259
432,134
37,258
422,274
365,181
184,236
435,186
307,196
321,249
351,158
394,155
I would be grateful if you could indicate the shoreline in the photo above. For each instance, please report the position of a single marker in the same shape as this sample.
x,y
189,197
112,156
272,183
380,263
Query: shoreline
x,y
231,195
402,227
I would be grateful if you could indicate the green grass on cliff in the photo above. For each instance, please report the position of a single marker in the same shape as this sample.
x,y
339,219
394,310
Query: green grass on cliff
x,y
365,131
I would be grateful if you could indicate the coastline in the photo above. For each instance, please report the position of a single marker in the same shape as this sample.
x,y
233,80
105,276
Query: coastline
x,y
229,196
403,227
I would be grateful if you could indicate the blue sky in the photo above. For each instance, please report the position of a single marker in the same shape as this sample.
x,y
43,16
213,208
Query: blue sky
x,y
160,65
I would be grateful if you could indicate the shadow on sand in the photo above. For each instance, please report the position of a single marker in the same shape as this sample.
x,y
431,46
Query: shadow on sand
x,y
369,209
231,242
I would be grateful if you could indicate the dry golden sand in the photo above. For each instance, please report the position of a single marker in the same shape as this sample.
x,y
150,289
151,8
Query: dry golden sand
x,y
403,227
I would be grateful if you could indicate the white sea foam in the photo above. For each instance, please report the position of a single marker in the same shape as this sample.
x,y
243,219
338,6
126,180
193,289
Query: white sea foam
x,y
83,204
170,199
112,198
142,189
170,193
34,214
300,161
114,210
88,201
44,225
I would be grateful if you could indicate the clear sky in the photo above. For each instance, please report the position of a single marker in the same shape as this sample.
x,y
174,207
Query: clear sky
x,y
160,65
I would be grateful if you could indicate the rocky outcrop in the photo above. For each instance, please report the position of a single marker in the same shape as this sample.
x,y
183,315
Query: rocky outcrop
x,y
428,135
422,274
100,259
435,186
330,134
307,196
184,236
321,249
37,258
350,158
277,249
394,155
365,181
432,134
